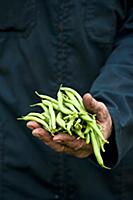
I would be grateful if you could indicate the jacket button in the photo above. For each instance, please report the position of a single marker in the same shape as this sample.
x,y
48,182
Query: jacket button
x,y
61,28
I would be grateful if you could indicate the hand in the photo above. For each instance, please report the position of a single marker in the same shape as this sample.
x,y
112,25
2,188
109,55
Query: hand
x,y
65,143
102,114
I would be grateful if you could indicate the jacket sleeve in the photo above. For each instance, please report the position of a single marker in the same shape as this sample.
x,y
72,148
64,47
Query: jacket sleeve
x,y
114,87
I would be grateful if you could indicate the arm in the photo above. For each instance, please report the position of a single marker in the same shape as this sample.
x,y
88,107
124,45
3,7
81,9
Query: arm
x,y
114,87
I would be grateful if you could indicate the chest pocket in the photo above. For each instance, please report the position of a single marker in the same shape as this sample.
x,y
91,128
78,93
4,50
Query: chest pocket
x,y
100,20
17,17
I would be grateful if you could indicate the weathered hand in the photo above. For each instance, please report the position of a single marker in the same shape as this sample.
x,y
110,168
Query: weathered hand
x,y
61,142
102,114
65,143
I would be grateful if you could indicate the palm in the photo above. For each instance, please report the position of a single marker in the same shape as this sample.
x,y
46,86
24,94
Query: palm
x,y
69,144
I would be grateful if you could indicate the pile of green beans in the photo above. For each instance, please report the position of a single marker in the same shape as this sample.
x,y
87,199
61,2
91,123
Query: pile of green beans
x,y
67,114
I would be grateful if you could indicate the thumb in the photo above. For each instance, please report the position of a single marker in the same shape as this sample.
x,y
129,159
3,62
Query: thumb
x,y
94,106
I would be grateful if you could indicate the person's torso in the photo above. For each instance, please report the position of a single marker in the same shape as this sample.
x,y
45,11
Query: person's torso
x,y
44,44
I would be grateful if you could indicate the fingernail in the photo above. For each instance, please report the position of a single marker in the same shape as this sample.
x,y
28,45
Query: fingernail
x,y
58,141
31,127
36,134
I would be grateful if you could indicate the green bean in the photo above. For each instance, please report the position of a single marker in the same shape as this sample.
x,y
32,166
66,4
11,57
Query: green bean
x,y
67,117
36,119
46,115
68,114
88,138
86,117
70,124
47,98
74,100
101,144
93,116
79,133
46,110
75,93
52,117
62,108
35,114
68,102
46,103
77,124
60,120
71,107
87,133
99,126
97,150
87,129
42,106
93,125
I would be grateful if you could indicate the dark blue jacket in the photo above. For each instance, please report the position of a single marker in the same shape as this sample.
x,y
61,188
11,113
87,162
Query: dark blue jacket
x,y
84,44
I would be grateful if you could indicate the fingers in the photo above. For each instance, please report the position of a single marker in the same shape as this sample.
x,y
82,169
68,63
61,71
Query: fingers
x,y
90,103
82,153
63,137
62,143
69,141
96,107
42,134
72,142
32,125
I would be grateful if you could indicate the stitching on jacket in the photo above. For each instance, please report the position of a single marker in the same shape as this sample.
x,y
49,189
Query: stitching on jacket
x,y
62,47
63,33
